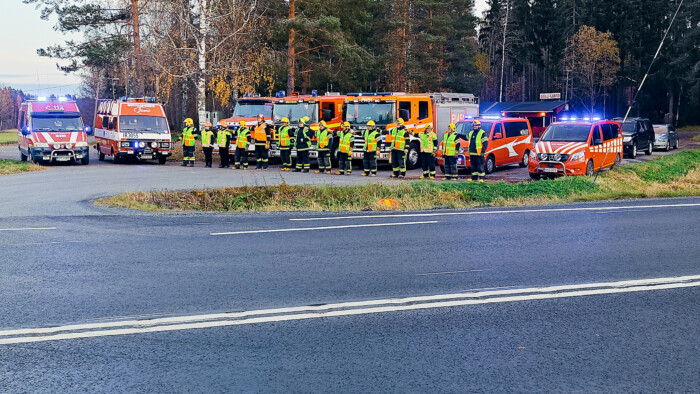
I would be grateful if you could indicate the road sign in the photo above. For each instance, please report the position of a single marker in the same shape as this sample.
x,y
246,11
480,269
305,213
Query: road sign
x,y
550,96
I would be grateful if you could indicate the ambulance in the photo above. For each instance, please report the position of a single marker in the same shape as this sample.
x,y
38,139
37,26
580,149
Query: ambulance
x,y
417,111
328,108
576,147
51,130
510,142
132,128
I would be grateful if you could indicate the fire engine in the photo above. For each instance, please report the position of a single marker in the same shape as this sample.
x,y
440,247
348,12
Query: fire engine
x,y
247,109
328,108
576,147
132,128
52,130
417,111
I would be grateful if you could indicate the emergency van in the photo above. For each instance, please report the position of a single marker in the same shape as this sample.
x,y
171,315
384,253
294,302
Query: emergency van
x,y
247,109
132,128
576,147
328,108
510,142
51,130
417,111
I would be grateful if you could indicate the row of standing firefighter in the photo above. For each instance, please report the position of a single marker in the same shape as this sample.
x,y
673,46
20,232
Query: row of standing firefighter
x,y
301,139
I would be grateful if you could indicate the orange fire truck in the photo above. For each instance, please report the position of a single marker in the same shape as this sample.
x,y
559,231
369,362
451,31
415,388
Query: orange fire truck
x,y
247,109
132,128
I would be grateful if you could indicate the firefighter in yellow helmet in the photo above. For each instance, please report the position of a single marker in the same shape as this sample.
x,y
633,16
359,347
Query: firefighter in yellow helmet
x,y
188,137
397,140
207,145
323,148
240,158
478,143
449,153
303,144
262,137
346,141
223,141
284,138
370,151
428,149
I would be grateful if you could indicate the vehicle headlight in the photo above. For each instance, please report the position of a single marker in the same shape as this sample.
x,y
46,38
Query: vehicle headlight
x,y
626,139
557,157
154,144
533,155
543,156
57,146
578,156
69,145
142,144
125,144
81,144
662,136
41,145
461,150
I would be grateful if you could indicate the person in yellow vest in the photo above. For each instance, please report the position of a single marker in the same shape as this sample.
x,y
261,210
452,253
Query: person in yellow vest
x,y
346,141
207,146
323,148
370,150
449,153
397,137
428,149
478,143
240,158
284,139
188,137
261,135
223,140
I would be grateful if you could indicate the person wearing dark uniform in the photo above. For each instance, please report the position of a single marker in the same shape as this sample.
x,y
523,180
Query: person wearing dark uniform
x,y
428,149
188,137
449,153
207,148
261,135
284,144
346,141
397,138
303,144
478,143
240,158
323,148
370,150
223,140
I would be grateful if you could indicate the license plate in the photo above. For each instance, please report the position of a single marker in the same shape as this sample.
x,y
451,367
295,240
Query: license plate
x,y
146,157
550,170
148,151
62,158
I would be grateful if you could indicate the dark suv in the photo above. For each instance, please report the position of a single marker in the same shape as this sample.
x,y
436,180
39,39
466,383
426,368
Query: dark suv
x,y
637,134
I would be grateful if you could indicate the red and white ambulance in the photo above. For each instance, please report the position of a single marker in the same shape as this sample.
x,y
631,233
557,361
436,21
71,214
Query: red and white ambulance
x,y
132,128
51,130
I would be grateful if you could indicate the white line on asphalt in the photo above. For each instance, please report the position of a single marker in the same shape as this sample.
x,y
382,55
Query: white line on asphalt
x,y
542,210
345,312
186,322
27,228
448,272
279,230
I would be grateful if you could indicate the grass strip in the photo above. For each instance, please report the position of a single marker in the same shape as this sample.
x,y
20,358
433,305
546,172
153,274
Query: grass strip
x,y
668,176
8,137
8,167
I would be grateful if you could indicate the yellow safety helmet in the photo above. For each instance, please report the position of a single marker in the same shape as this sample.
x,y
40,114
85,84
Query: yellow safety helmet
x,y
207,124
189,121
285,120
370,123
243,123
304,119
476,123
401,121
346,124
452,126
323,123
429,126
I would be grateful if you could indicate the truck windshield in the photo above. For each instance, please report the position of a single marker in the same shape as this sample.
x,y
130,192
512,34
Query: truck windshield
x,y
567,133
295,111
251,109
629,127
465,127
143,124
361,113
56,123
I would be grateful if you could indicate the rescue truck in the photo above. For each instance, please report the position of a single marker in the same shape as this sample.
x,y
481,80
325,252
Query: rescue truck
x,y
247,109
328,108
51,130
417,111
510,142
132,128
576,147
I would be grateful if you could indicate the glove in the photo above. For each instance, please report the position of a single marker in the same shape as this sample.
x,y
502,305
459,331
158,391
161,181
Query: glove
x,y
267,146
405,151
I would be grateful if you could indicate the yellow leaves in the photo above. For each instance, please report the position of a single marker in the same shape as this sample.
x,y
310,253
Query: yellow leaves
x,y
482,64
593,56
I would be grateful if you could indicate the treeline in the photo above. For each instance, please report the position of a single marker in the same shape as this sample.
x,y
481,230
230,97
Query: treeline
x,y
203,54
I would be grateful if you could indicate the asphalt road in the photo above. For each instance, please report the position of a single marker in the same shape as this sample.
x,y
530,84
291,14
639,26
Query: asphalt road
x,y
102,268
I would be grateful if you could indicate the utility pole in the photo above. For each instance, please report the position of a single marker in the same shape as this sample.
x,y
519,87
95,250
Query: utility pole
x,y
202,49
566,93
291,55
97,96
503,58
113,81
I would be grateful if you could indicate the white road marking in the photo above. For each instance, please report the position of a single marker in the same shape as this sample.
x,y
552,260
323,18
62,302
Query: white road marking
x,y
102,329
541,210
279,230
27,228
449,272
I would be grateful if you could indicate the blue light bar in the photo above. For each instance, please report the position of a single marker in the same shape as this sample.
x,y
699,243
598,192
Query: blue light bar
x,y
494,117
314,93
41,98
62,99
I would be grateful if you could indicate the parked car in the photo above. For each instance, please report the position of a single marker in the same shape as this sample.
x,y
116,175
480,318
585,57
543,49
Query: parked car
x,y
638,134
666,137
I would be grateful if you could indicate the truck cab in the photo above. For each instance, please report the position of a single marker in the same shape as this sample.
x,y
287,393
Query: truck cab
x,y
51,130
247,109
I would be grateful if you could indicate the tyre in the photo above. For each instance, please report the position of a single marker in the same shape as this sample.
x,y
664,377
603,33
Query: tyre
x,y
525,160
633,154
535,176
589,168
650,148
668,146
490,164
22,156
100,155
677,142
85,160
162,160
616,163
115,158
413,157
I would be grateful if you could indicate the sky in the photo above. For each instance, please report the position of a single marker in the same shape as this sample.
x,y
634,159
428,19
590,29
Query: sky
x,y
23,32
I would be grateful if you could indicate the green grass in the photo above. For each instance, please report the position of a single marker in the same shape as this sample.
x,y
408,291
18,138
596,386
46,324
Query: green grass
x,y
689,128
667,176
8,167
8,137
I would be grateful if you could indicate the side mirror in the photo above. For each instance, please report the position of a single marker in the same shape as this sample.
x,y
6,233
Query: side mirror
x,y
26,130
597,141
88,130
497,136
327,116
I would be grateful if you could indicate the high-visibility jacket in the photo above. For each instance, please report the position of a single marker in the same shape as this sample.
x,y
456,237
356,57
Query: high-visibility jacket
x,y
371,140
261,134
449,144
284,139
303,140
188,136
223,139
323,136
428,142
478,142
206,138
346,142
243,138
397,137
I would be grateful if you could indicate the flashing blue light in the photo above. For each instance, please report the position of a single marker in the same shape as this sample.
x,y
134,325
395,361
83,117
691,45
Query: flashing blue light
x,y
280,94
597,118
314,93
62,99
41,98
565,119
586,118
247,94
469,117
494,117
574,118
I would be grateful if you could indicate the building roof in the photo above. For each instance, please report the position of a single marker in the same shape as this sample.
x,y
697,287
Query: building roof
x,y
496,108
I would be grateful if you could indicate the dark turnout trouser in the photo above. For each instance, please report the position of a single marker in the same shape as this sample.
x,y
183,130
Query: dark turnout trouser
x,y
398,162
451,167
188,154
261,156
369,162
428,163
344,163
240,157
324,160
477,166
207,155
223,157
303,160
286,157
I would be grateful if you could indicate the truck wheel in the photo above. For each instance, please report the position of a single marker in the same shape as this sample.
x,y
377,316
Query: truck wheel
x,y
162,160
676,145
589,168
490,164
413,157
650,148
100,155
115,158
22,156
86,159
525,160
535,176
